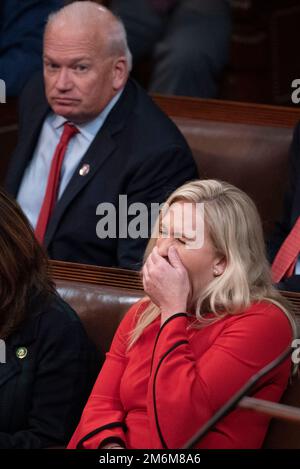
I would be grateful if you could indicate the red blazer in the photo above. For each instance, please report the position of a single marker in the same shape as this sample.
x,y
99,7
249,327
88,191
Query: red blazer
x,y
174,378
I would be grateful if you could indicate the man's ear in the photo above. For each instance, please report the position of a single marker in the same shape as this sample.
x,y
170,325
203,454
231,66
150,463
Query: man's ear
x,y
119,73
219,266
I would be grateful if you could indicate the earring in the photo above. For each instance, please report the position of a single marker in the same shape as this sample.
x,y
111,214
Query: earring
x,y
216,272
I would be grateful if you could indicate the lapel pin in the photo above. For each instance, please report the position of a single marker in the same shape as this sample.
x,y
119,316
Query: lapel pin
x,y
84,170
21,352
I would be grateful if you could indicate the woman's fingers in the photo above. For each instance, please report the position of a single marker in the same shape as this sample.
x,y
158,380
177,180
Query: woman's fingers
x,y
145,276
174,258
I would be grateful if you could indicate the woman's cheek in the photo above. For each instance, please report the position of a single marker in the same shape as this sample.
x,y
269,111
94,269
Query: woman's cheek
x,y
184,255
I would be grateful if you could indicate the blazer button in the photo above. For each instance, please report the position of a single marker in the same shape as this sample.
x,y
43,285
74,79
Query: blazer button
x,y
21,352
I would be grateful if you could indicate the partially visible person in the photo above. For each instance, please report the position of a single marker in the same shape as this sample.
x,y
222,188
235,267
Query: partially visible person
x,y
210,321
21,40
87,135
284,243
47,365
188,41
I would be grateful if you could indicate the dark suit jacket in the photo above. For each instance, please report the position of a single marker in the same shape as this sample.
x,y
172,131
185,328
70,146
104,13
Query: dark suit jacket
x,y
21,39
43,394
291,210
138,152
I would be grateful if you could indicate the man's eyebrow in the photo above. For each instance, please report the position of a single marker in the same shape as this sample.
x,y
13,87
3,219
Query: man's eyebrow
x,y
82,58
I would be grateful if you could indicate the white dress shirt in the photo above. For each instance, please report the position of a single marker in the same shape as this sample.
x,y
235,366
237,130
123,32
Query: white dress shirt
x,y
297,268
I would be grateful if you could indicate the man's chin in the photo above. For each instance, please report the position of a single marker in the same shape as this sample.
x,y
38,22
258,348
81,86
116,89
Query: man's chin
x,y
66,111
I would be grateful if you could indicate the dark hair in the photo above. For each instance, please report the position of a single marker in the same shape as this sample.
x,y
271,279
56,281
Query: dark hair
x,y
23,266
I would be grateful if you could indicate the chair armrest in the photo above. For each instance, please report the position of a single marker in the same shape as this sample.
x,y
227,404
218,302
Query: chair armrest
x,y
280,411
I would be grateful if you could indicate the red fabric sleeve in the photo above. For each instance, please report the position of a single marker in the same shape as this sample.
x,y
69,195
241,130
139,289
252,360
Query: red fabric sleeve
x,y
103,414
184,392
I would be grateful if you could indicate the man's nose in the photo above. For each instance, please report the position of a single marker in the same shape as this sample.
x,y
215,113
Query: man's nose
x,y
63,82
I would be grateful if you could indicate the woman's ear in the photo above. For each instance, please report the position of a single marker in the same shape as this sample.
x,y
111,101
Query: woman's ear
x,y
219,266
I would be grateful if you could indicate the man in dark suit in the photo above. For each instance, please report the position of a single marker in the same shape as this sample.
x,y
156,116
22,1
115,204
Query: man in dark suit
x,y
121,142
284,244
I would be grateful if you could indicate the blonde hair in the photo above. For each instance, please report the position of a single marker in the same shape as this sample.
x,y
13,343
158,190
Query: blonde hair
x,y
235,229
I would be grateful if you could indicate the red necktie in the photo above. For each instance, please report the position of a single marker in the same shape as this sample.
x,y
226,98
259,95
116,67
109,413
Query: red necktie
x,y
53,181
286,258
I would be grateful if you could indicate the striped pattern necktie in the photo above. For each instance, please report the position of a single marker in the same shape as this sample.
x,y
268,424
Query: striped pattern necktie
x,y
286,258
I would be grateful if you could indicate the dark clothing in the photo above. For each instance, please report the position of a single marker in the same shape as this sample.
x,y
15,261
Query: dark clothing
x,y
138,152
42,394
290,284
21,39
188,43
291,211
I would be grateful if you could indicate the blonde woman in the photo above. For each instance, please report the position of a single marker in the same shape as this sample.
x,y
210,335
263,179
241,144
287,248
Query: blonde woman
x,y
211,319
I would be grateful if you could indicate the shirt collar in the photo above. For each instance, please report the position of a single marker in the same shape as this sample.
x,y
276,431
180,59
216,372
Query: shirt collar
x,y
89,129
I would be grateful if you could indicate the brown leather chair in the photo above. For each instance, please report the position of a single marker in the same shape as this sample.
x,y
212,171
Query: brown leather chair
x,y
252,157
100,296
100,308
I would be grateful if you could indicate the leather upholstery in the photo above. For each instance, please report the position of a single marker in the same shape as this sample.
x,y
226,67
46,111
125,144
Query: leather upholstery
x,y
252,157
100,308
